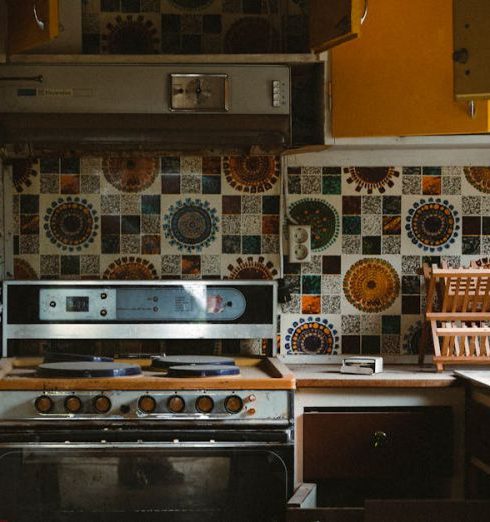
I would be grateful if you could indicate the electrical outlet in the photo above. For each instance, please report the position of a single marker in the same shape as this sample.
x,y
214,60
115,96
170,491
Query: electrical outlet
x,y
299,243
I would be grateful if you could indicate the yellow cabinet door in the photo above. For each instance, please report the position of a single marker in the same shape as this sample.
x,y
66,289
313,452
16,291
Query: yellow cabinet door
x,y
397,80
333,22
31,23
472,49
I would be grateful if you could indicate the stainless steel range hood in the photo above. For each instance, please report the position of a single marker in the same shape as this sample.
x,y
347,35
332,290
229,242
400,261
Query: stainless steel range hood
x,y
171,107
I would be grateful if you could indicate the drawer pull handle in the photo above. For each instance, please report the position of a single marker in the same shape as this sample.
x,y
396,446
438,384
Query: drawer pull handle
x,y
380,439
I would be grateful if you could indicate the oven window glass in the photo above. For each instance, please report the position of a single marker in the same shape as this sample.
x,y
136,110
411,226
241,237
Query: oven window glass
x,y
127,484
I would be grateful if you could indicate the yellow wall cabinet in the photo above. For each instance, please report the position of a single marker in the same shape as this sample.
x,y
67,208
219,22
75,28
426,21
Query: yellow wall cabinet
x,y
397,79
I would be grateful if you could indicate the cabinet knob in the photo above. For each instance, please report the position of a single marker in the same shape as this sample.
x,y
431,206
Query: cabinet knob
x,y
380,439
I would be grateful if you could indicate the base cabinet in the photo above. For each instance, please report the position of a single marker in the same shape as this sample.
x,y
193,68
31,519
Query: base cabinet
x,y
354,455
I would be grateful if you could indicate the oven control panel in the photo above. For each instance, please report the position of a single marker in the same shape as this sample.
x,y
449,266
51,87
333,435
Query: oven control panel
x,y
77,304
197,405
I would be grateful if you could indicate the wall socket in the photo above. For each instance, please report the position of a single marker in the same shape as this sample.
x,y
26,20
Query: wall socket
x,y
299,243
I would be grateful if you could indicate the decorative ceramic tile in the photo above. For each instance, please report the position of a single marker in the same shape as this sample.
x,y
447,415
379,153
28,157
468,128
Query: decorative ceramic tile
x,y
431,225
351,325
371,285
330,304
323,215
251,205
471,205
351,245
371,180
412,185
370,324
331,285
391,245
251,174
310,335
191,224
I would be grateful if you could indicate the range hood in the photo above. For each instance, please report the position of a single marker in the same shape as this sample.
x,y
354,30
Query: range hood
x,y
170,107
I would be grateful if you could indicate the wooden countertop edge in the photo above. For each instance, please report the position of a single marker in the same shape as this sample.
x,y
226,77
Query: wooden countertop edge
x,y
377,383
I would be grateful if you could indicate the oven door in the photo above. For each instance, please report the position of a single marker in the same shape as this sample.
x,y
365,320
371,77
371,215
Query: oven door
x,y
171,481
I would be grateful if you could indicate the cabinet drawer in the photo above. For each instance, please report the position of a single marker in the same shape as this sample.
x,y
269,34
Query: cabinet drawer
x,y
377,444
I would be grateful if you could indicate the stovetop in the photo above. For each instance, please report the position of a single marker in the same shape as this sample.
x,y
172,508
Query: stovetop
x,y
260,394
255,373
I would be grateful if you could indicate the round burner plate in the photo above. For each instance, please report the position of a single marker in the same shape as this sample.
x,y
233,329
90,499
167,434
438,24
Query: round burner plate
x,y
164,363
206,370
82,369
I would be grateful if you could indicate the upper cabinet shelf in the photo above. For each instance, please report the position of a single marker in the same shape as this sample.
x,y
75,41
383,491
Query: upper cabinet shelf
x,y
169,31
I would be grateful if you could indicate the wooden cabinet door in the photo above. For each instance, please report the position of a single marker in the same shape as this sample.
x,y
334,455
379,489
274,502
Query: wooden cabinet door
x,y
31,23
397,80
471,49
333,22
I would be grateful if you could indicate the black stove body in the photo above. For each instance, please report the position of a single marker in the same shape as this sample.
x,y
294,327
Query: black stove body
x,y
111,454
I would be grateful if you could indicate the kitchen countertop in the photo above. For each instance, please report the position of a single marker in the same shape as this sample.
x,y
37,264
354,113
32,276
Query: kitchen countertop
x,y
393,376
479,377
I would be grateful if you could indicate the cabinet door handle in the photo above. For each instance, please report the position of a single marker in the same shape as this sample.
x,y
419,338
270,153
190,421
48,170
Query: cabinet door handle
x,y
380,439
472,109
364,15
39,22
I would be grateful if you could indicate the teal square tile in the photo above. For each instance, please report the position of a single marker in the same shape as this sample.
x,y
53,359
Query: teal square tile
x,y
331,185
150,204
311,284
351,225
390,324
251,244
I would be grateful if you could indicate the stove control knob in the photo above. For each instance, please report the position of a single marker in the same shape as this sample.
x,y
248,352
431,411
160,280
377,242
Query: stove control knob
x,y
52,304
103,312
103,295
102,404
73,404
147,404
233,404
176,404
204,404
43,404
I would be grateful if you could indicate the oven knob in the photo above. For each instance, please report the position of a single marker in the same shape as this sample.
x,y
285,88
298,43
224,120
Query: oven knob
x,y
103,295
176,404
73,404
204,404
147,404
52,304
233,404
103,312
43,404
102,404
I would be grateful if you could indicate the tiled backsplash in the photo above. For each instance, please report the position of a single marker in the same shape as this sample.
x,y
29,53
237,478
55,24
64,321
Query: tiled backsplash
x,y
372,229
145,217
194,26
191,217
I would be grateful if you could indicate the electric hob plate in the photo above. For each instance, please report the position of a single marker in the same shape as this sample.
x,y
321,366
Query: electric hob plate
x,y
53,357
204,370
87,370
164,363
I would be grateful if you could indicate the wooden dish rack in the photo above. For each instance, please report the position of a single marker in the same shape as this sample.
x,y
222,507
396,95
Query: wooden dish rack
x,y
458,310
